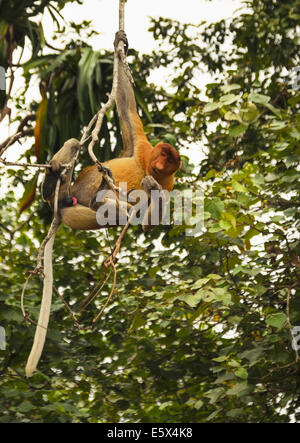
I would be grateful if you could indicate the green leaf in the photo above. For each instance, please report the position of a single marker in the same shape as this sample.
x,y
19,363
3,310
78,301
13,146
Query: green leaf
x,y
28,194
215,394
221,358
250,112
214,206
235,412
215,227
137,322
273,109
141,101
86,68
170,139
230,87
237,130
226,225
192,300
214,276
238,187
209,107
231,116
277,320
198,404
240,389
259,98
228,99
40,145
229,217
253,355
241,373
201,282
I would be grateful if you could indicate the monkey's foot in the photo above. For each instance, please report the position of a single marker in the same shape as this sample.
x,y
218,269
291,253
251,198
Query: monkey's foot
x,y
121,36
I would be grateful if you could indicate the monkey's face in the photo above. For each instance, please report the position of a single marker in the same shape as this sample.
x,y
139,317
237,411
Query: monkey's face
x,y
164,161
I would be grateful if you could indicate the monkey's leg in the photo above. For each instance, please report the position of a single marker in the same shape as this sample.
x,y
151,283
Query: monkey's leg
x,y
158,198
79,217
105,196
108,214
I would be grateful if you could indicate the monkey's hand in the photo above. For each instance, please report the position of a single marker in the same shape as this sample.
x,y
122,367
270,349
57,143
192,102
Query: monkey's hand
x,y
104,185
121,36
57,168
150,184
64,155
55,165
156,205
106,171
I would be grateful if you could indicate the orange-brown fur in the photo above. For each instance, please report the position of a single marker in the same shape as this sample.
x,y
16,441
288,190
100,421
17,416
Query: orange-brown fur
x,y
161,161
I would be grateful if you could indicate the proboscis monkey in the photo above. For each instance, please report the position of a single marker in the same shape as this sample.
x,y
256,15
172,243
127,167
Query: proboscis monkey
x,y
145,167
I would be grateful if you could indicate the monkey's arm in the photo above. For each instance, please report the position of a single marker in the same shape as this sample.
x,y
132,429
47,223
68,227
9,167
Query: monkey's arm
x,y
74,215
157,203
131,125
63,156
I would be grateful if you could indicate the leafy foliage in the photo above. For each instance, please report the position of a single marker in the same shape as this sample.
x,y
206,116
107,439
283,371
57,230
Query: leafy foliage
x,y
200,329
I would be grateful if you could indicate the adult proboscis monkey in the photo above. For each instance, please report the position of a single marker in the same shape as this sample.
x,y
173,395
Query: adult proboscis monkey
x,y
146,167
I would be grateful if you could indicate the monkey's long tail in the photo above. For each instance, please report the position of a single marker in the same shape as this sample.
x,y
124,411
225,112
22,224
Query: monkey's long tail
x,y
41,329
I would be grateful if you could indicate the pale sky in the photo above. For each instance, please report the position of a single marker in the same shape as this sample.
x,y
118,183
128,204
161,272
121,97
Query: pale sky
x,y
104,15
